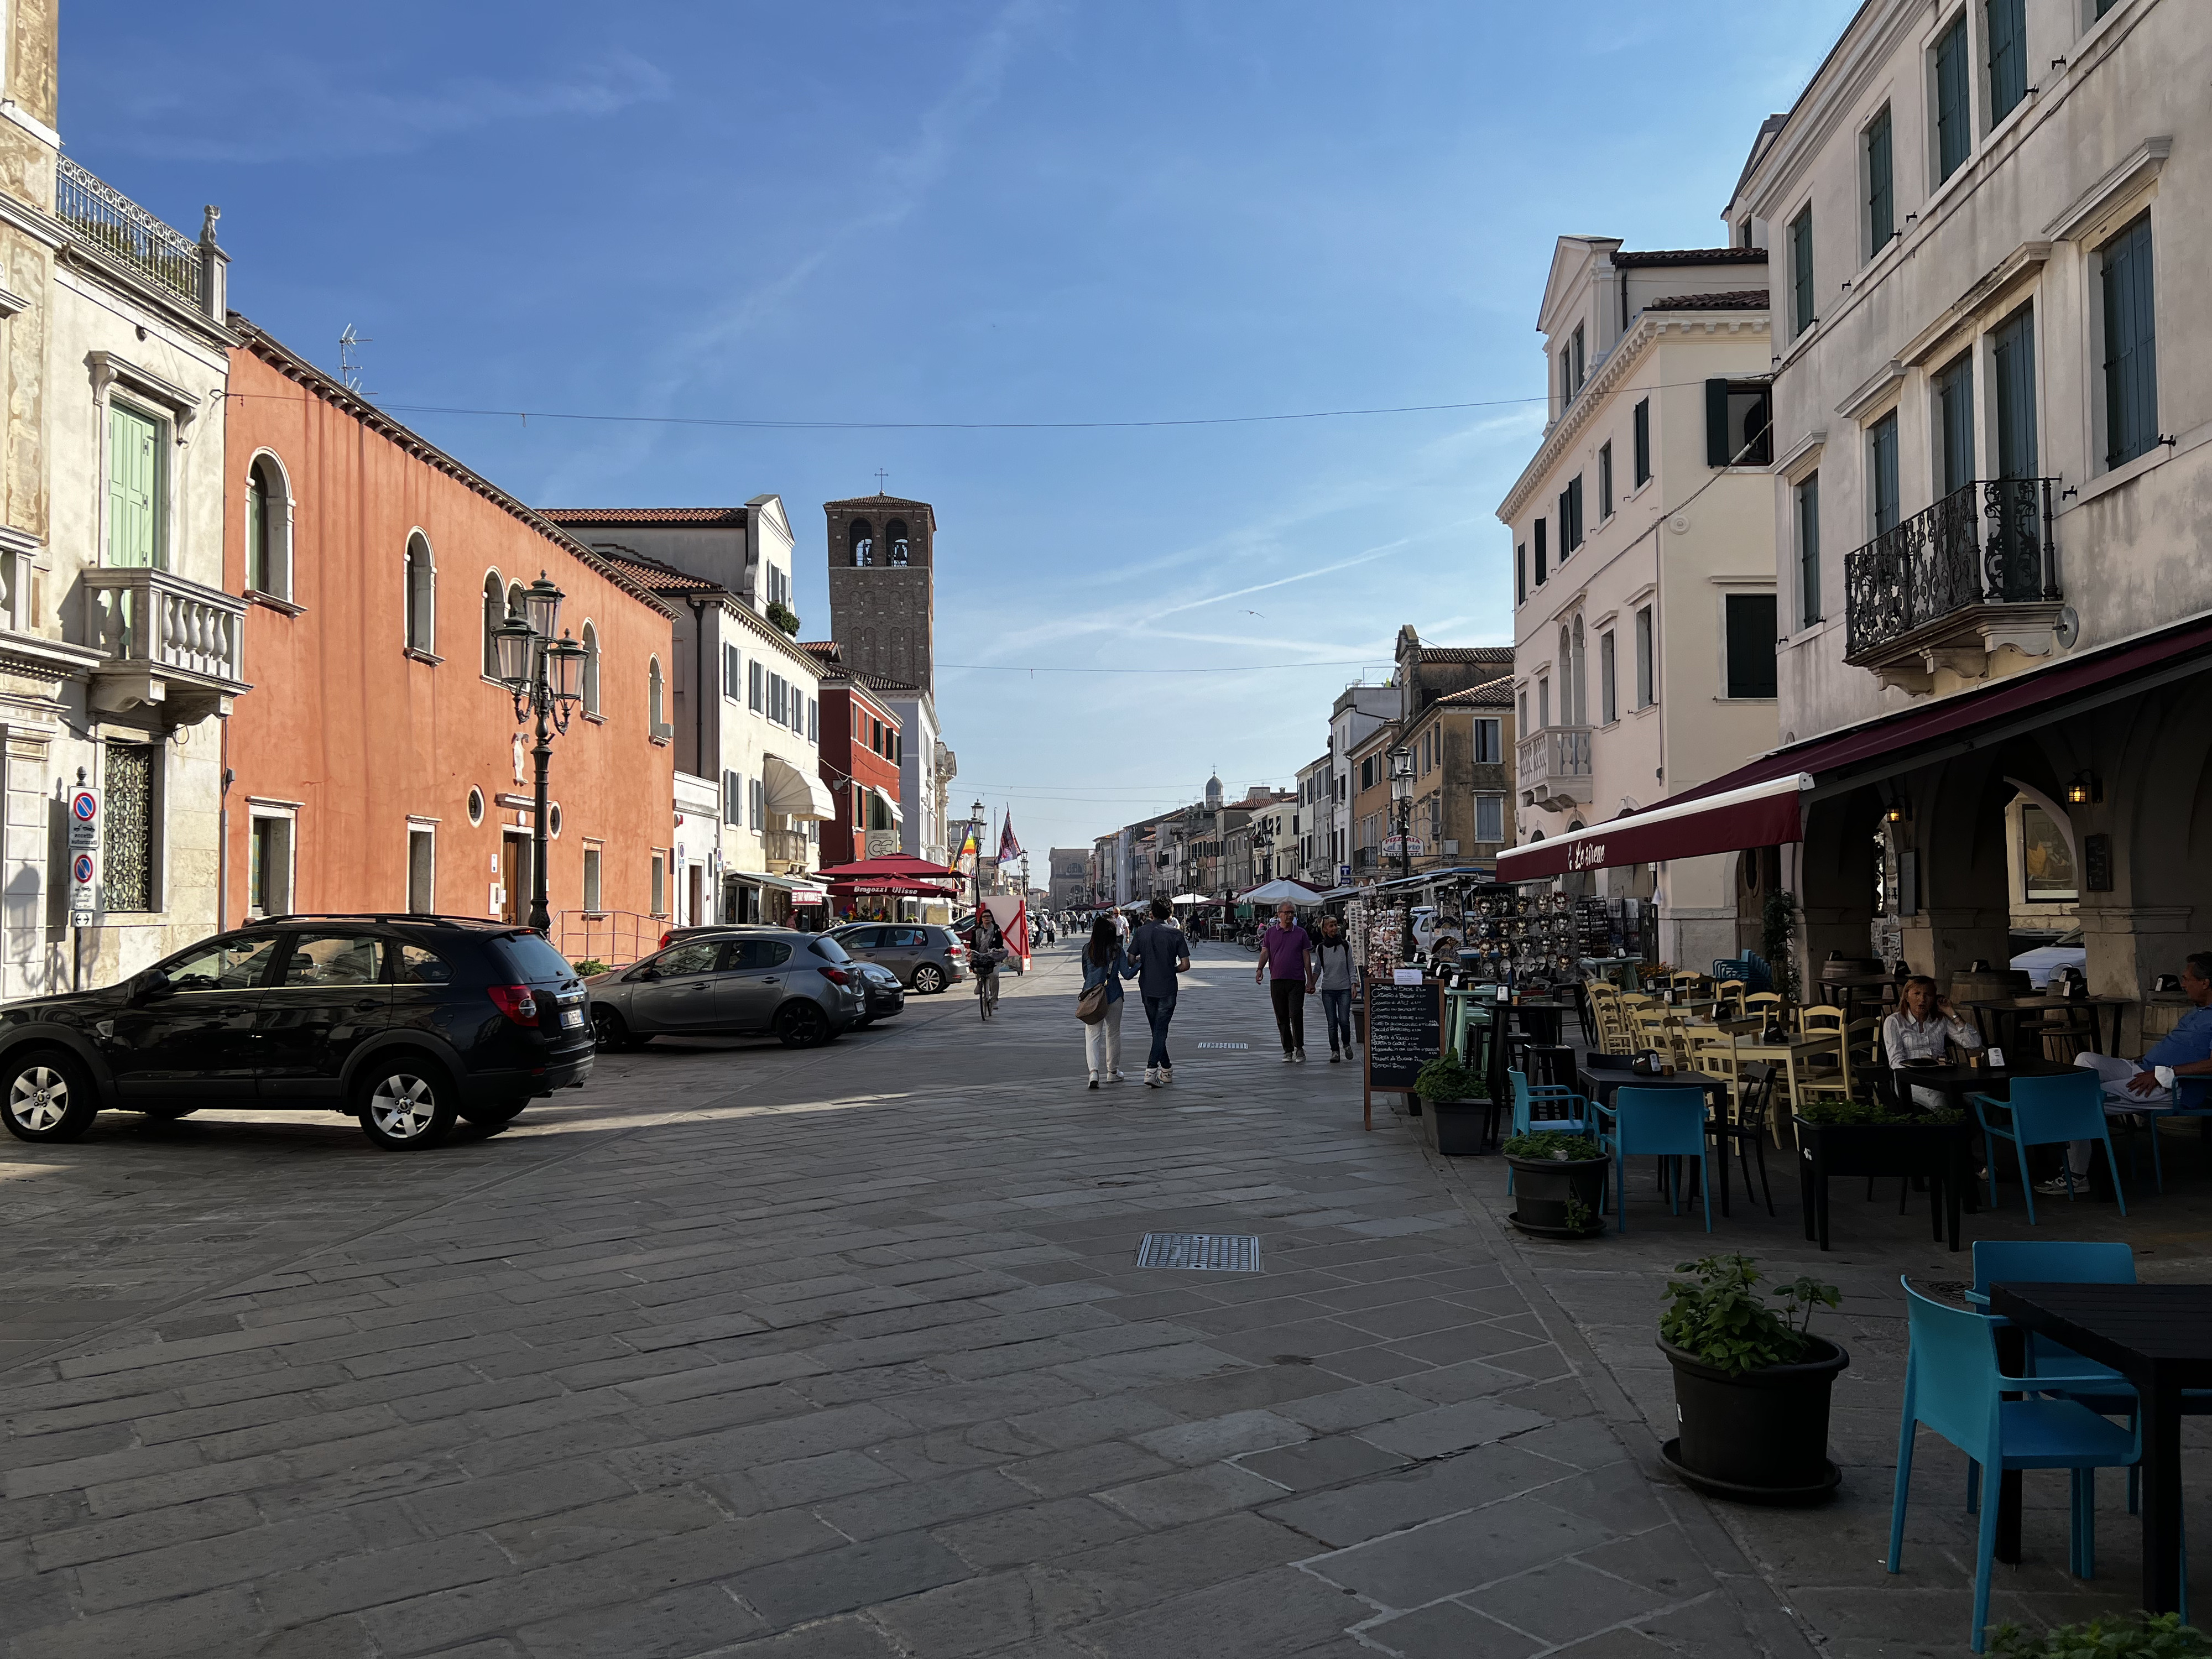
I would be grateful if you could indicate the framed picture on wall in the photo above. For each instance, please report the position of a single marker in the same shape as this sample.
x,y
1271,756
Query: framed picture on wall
x,y
2046,862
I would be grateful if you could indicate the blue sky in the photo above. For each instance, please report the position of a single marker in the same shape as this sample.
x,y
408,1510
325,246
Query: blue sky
x,y
1003,211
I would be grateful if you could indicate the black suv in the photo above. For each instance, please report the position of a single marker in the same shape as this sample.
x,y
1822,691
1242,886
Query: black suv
x,y
401,1021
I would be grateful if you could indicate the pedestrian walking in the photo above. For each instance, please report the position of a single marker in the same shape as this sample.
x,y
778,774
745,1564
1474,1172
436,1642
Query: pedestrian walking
x,y
1285,962
1333,962
1160,953
1105,963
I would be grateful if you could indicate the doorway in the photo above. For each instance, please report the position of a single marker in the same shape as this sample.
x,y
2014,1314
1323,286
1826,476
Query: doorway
x,y
694,906
515,876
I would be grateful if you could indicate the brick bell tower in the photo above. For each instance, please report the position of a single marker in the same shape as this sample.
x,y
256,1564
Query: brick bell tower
x,y
883,603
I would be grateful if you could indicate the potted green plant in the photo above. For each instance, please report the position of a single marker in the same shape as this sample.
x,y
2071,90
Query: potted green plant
x,y
2126,1636
1459,1107
1559,1184
1853,1138
1751,1383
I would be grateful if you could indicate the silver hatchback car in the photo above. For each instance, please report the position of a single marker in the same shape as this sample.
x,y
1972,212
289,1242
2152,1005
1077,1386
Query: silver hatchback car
x,y
925,958
732,982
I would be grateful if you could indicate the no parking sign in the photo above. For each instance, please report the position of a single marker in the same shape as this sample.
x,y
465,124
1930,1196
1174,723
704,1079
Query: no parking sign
x,y
84,853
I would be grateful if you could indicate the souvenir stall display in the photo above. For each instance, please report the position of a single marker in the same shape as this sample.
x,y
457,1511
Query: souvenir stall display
x,y
1513,938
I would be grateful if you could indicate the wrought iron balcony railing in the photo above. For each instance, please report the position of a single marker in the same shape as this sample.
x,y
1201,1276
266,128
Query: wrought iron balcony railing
x,y
108,218
1986,543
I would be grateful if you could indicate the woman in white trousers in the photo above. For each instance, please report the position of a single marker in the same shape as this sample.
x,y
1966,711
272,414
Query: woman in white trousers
x,y
1104,962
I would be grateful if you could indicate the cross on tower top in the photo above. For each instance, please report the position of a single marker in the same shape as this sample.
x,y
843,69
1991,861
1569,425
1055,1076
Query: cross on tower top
x,y
880,476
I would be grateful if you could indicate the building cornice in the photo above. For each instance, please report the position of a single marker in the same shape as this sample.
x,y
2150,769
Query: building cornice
x,y
2111,190
89,260
1608,377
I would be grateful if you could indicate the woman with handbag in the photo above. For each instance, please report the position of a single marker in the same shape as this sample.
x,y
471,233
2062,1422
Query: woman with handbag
x,y
1105,965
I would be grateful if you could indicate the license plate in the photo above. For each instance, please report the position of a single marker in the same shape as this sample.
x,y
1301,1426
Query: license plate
x,y
572,1016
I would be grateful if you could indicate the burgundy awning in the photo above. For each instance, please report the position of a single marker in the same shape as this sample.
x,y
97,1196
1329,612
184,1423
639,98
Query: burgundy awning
x,y
1759,804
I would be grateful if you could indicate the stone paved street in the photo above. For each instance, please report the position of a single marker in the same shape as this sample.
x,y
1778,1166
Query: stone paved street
x,y
845,1352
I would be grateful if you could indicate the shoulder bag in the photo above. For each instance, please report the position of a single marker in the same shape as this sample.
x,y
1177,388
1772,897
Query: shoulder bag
x,y
1091,1006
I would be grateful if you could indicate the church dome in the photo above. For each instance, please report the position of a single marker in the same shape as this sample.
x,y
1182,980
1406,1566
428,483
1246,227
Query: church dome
x,y
1213,793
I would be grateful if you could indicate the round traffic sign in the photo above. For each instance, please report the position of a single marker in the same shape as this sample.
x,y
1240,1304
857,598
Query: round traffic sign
x,y
83,868
84,805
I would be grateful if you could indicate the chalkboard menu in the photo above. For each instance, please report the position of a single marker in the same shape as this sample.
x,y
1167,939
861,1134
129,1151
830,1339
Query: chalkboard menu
x,y
1405,1032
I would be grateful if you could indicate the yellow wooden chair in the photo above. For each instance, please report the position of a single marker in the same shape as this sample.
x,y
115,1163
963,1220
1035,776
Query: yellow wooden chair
x,y
1728,997
1763,1004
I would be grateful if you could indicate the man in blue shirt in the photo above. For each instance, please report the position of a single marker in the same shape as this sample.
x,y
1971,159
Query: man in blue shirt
x,y
1160,952
2188,1048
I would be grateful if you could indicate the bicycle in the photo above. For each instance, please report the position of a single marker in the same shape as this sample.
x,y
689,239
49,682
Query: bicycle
x,y
987,980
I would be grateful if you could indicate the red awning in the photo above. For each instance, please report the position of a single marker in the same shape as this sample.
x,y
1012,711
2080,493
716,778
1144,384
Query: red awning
x,y
1758,805
908,889
898,866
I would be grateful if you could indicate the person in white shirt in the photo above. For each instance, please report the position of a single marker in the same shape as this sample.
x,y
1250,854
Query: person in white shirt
x,y
1924,1024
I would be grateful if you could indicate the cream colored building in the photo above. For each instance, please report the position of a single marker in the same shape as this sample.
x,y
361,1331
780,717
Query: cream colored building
x,y
1643,549
117,643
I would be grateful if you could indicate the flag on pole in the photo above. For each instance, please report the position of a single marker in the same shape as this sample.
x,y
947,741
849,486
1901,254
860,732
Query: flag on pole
x,y
1009,848
965,862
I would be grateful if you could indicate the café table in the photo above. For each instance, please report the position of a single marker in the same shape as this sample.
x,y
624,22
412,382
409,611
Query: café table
x,y
1538,1019
2160,1338
1999,1019
1600,1086
1788,1053
1955,1082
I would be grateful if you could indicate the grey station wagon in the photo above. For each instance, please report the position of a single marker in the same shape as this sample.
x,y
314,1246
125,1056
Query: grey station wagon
x,y
799,988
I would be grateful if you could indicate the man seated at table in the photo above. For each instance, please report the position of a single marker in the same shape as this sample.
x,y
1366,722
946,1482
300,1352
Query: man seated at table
x,y
1924,1028
2174,1075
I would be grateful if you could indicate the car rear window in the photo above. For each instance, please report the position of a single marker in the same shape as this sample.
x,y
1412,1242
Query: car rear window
x,y
531,959
829,950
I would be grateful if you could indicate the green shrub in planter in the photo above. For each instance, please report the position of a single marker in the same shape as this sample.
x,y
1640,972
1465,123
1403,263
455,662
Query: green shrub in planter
x,y
2132,1636
1551,1144
1719,1319
1446,1079
1823,1114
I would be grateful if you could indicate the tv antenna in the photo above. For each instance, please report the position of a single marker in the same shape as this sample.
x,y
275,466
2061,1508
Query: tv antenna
x,y
350,345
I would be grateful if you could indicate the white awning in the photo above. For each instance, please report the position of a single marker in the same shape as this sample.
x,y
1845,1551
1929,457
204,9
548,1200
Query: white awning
x,y
890,805
795,794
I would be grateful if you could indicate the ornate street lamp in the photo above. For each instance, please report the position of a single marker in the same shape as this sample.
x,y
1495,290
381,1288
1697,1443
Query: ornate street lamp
x,y
545,677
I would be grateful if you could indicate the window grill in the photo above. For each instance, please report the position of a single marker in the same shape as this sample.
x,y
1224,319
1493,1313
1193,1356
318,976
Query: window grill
x,y
129,879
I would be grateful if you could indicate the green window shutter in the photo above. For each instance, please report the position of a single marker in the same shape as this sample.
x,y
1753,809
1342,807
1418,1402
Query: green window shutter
x,y
1952,139
1881,185
133,500
1717,423
2130,346
2007,25
1751,663
2015,354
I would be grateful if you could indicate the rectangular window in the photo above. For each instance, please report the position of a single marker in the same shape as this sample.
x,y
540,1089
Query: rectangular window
x,y
732,807
1750,618
1645,683
1570,517
1544,703
1955,423
1609,680
1809,550
1489,746
269,867
1881,185
1523,725
1490,817
814,719
1802,314
1881,473
421,873
1642,422
2012,353
659,883
2131,345
733,673
2006,22
1521,573
127,881
1739,423
756,686
1604,482
135,481
591,899
1953,100
1582,368
1541,573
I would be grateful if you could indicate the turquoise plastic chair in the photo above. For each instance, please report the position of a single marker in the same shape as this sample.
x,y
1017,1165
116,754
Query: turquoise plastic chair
x,y
1670,1122
1525,1096
1952,1385
2044,1111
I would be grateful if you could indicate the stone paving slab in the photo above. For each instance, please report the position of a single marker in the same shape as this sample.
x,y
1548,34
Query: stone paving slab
x,y
841,1354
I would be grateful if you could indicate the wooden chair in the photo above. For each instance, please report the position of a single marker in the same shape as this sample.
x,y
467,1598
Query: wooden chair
x,y
1822,1077
1713,1052
1728,996
1747,1126
1762,1005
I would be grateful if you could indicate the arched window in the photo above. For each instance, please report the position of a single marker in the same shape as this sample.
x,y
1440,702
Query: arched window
x,y
494,613
1575,679
421,595
863,541
894,534
591,669
268,528
653,698
514,594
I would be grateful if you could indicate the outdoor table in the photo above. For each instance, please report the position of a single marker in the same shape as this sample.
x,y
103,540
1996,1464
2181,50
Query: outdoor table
x,y
1540,1020
2003,1015
2160,1338
1937,1151
1786,1054
1955,1082
1600,1086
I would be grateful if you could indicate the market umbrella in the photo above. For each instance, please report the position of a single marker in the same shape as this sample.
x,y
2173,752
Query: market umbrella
x,y
1277,891
891,866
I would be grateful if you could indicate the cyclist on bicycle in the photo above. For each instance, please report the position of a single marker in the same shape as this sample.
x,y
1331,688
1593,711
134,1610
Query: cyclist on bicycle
x,y
987,953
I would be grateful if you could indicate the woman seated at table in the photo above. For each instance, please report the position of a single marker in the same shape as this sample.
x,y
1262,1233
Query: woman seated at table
x,y
1921,1029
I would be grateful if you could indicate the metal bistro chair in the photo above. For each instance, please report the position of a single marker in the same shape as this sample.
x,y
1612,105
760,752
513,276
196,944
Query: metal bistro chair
x,y
1748,1129
1528,1097
1952,1383
1670,1123
2044,1111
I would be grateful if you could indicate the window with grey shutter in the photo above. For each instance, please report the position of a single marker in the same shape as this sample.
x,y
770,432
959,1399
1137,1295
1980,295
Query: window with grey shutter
x,y
1521,573
1604,481
2006,27
1954,108
2012,353
2131,345
1750,629
1643,425
1881,473
1881,185
1609,680
1802,313
1954,422
1646,682
1809,550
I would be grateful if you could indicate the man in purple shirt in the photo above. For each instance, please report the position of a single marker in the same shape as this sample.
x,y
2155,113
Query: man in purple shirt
x,y
1285,961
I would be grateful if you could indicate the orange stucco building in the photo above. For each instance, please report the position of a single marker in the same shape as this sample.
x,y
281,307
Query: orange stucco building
x,y
374,766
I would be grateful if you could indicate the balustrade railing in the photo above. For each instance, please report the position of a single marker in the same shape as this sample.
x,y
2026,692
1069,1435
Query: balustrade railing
x,y
1986,543
1554,756
108,218
157,620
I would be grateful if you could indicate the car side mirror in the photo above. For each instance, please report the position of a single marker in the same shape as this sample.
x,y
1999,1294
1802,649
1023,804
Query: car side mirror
x,y
153,986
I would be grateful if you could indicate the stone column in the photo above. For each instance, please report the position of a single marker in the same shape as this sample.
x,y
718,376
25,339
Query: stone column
x,y
32,844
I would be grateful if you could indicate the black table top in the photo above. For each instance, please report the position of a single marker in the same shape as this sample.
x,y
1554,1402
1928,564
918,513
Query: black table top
x,y
1601,1085
2029,1004
1958,1076
2127,1327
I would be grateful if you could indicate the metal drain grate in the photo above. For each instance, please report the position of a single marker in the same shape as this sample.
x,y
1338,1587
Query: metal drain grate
x,y
1225,1045
1224,1253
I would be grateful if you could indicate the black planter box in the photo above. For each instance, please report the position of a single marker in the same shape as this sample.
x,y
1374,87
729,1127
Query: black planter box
x,y
1939,1152
1760,1437
1541,1188
1463,1128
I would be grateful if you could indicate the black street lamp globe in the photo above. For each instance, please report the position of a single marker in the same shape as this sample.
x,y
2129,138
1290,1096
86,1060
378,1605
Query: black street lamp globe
x,y
541,606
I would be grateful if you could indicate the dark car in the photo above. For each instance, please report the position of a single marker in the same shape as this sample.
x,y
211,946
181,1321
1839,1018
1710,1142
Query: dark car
x,y
925,958
731,981
404,1022
886,996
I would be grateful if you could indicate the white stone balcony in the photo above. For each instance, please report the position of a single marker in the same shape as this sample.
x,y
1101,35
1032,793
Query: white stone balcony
x,y
1553,767
170,646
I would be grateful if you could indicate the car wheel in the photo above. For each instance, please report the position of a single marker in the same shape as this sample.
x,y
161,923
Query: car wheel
x,y
929,979
494,1114
404,1103
46,1095
801,1025
614,1033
